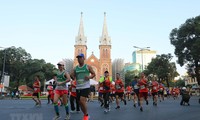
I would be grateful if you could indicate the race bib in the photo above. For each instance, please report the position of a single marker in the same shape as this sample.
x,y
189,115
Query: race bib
x,y
154,88
136,87
142,87
73,89
80,81
118,87
35,89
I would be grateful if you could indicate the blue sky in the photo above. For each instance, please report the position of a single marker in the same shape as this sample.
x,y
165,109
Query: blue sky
x,y
47,28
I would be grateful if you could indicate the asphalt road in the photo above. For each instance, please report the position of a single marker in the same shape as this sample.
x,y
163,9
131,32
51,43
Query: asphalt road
x,y
166,110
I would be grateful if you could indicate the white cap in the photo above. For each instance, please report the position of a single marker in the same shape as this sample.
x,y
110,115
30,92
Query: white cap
x,y
184,88
61,63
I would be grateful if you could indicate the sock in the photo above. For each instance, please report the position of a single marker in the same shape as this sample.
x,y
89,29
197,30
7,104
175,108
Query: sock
x,y
56,108
67,109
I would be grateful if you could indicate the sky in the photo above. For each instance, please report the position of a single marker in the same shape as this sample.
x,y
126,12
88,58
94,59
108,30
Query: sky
x,y
47,28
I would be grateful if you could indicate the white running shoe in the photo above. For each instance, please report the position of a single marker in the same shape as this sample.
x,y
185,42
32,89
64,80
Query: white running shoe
x,y
67,117
57,117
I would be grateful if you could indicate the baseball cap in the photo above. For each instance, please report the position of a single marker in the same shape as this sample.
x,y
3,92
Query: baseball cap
x,y
61,63
184,88
80,55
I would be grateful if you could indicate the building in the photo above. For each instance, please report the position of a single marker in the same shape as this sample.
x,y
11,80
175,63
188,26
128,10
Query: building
x,y
118,67
132,66
143,57
102,63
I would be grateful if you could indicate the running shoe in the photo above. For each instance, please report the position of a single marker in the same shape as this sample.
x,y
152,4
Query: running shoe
x,y
117,107
147,102
134,105
72,111
141,109
124,102
67,117
57,117
86,117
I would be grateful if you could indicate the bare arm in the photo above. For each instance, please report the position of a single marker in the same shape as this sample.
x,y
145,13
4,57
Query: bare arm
x,y
72,74
92,73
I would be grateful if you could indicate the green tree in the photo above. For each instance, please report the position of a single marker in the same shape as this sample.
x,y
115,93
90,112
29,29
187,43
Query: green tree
x,y
162,67
180,83
22,68
129,76
14,64
186,40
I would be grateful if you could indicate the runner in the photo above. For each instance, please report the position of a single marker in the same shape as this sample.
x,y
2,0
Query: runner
x,y
135,92
112,93
82,73
50,91
161,92
107,81
143,92
73,97
61,79
154,90
100,95
128,92
119,90
36,93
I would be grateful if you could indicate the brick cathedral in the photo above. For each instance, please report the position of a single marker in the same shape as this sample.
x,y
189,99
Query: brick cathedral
x,y
104,62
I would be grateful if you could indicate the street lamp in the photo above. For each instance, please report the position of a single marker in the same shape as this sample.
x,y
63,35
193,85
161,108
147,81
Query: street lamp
x,y
3,69
142,49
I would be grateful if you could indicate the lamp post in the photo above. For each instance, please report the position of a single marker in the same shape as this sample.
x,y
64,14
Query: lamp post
x,y
3,70
142,49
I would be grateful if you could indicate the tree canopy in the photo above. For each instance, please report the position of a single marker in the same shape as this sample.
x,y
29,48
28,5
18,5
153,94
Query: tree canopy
x,y
22,68
162,68
186,40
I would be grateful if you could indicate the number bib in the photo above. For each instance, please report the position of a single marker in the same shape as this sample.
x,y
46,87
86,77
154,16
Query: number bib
x,y
154,88
101,88
136,87
73,89
142,87
80,81
118,87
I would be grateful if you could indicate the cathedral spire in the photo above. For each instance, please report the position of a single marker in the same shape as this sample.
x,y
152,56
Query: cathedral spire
x,y
81,39
105,39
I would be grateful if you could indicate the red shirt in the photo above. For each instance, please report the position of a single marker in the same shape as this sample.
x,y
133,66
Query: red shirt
x,y
161,87
36,86
101,87
129,89
73,88
155,86
106,85
112,89
119,86
50,89
143,85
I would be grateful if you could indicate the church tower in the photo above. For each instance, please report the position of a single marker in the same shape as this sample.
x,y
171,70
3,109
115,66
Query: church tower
x,y
80,44
105,50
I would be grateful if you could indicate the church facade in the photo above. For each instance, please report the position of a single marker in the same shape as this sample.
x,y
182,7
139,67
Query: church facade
x,y
102,63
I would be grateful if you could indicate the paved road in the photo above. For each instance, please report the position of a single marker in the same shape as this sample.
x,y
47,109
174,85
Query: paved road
x,y
167,110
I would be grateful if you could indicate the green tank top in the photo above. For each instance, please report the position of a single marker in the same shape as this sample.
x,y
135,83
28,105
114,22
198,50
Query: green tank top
x,y
61,78
81,72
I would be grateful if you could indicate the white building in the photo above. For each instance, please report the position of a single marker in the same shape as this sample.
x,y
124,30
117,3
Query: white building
x,y
143,57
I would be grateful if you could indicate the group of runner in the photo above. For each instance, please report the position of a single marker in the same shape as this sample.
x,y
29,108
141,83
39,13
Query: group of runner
x,y
138,89
108,90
